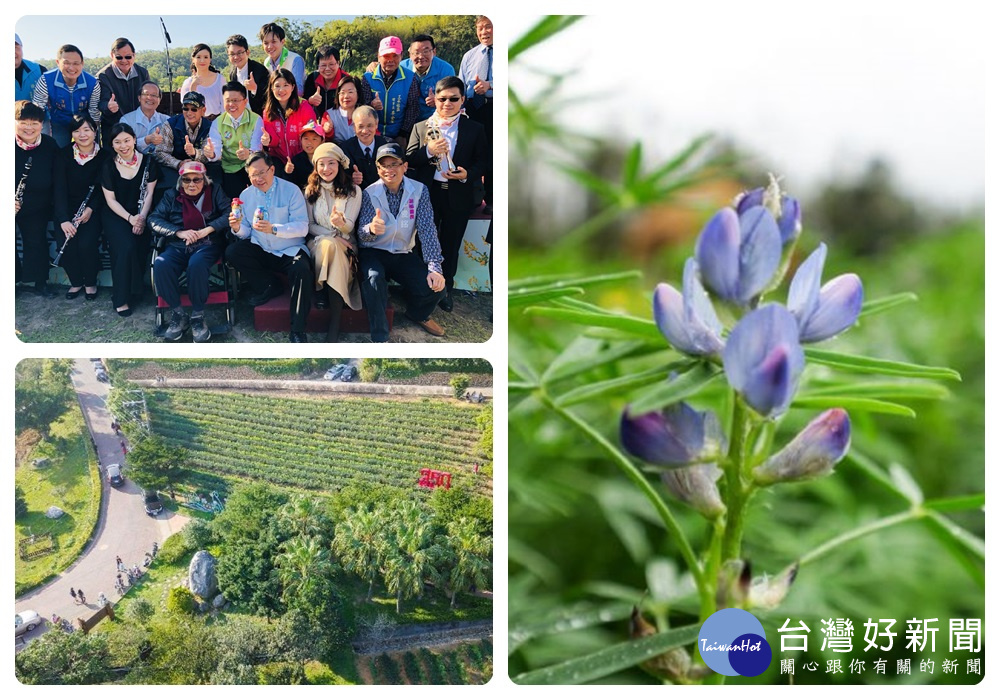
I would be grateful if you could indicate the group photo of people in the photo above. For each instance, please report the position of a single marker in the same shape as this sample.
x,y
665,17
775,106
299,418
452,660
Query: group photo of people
x,y
293,180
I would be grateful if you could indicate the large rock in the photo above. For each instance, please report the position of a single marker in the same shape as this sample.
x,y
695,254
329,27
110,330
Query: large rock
x,y
219,602
54,512
202,580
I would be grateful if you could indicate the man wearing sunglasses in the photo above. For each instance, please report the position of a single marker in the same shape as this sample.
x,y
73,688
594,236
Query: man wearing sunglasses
x,y
190,137
451,166
121,83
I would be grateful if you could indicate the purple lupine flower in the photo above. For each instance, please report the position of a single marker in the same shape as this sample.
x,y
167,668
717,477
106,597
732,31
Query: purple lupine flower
x,y
783,208
738,254
696,487
812,453
823,313
763,359
688,321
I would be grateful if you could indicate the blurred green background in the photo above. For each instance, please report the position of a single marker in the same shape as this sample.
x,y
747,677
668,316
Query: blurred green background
x,y
585,545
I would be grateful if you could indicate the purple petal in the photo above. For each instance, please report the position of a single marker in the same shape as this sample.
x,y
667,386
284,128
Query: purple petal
x,y
790,222
812,453
763,359
672,437
668,311
837,309
751,198
718,253
760,252
803,292
702,323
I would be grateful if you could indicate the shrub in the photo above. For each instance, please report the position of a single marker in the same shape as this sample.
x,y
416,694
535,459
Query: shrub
x,y
174,549
140,611
459,383
371,368
197,534
180,600
281,674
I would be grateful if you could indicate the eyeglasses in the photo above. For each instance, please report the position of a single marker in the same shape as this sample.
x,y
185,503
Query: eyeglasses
x,y
392,166
421,52
192,180
154,95
448,99
123,58
236,54
190,109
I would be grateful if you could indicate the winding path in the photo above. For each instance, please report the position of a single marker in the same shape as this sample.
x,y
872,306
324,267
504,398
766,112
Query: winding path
x,y
123,528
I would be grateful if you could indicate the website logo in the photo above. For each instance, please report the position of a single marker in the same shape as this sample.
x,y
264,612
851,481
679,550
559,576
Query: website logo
x,y
732,643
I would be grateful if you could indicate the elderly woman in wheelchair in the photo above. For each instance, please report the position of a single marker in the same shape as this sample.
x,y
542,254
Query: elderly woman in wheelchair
x,y
191,226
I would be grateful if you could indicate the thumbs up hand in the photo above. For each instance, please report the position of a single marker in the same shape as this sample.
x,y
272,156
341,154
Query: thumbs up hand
x,y
289,168
337,219
377,227
376,102
316,99
251,84
113,104
242,152
429,100
154,138
481,87
265,139
209,149
188,146
357,177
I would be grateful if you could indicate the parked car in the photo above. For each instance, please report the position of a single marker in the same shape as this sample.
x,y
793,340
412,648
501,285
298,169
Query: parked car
x,y
98,365
26,621
115,477
102,376
341,373
152,502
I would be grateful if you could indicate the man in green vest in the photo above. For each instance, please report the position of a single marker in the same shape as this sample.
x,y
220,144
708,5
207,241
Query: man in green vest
x,y
241,130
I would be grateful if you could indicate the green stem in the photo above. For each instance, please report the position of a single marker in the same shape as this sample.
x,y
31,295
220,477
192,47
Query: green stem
x,y
644,486
859,532
736,491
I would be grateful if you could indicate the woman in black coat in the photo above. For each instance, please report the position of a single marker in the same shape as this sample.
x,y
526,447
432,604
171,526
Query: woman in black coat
x,y
78,206
193,222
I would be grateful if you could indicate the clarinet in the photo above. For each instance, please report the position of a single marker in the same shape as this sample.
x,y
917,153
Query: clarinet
x,y
76,218
142,186
19,192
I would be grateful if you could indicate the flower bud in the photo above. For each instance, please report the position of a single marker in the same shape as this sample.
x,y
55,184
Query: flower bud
x,y
688,322
812,453
767,592
823,313
673,437
763,359
696,487
673,664
738,253
783,208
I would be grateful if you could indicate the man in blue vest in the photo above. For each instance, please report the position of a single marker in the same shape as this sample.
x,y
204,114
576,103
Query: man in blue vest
x,y
395,212
68,90
26,73
427,69
393,92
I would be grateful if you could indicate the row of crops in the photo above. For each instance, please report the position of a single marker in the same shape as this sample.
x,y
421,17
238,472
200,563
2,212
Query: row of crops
x,y
321,444
464,665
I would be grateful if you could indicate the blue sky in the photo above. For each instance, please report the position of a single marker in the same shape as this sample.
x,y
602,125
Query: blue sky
x,y
42,35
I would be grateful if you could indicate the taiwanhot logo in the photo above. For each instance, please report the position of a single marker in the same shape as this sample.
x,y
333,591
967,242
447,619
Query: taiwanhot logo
x,y
732,643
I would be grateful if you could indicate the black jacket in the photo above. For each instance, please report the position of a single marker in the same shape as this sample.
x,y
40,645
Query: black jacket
x,y
167,219
260,75
353,149
471,152
126,94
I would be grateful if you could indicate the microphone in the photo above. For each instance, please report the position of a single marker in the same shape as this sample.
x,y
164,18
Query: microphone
x,y
165,32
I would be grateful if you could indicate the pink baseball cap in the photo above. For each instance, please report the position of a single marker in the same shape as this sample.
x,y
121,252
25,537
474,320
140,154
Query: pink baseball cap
x,y
390,44
191,166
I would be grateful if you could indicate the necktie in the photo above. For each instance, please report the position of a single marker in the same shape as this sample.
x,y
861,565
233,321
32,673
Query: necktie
x,y
489,68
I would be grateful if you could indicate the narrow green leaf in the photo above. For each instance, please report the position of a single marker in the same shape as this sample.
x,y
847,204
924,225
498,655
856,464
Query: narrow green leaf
x,y
631,166
873,471
849,403
569,366
881,390
607,191
590,667
546,282
620,385
906,484
681,158
973,544
567,620
871,365
631,324
544,29
521,386
958,551
684,385
956,503
534,297
877,306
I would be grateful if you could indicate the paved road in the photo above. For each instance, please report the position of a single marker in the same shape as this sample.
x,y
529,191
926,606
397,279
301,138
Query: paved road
x,y
123,528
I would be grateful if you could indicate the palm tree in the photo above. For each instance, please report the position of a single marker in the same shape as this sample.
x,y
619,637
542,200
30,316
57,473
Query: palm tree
x,y
469,556
304,516
358,542
412,553
304,564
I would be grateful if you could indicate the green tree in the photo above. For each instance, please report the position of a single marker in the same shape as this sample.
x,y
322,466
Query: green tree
x,y
358,544
305,516
42,391
470,557
20,503
302,565
155,465
57,658
412,553
197,534
180,600
484,421
184,651
460,502
140,611
459,383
